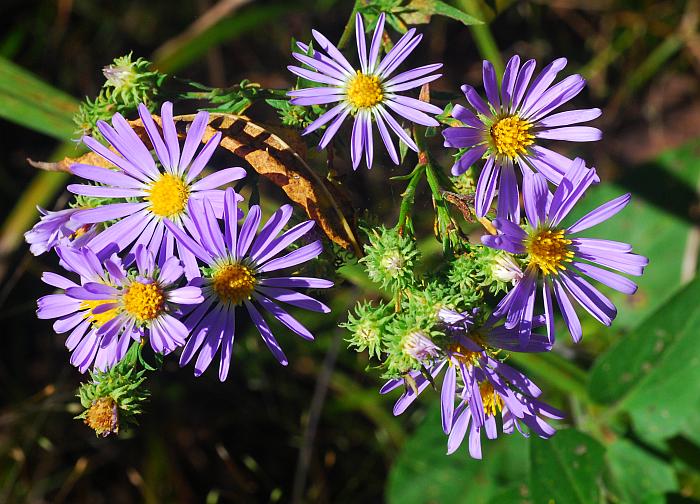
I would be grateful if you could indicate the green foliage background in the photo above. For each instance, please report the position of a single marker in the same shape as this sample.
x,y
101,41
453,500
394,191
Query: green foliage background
x,y
632,392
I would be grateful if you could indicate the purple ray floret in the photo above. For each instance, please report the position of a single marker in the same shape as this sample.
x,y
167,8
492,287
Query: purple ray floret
x,y
370,94
560,260
56,228
144,191
111,307
238,267
507,129
477,387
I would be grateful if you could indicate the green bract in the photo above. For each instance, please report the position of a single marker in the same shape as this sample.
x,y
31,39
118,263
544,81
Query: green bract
x,y
390,259
114,398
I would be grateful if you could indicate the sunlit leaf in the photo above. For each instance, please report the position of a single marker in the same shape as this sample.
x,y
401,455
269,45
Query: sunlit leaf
x,y
565,469
639,475
652,372
423,473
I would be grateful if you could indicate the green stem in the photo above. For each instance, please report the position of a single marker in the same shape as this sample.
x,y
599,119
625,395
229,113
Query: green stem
x,y
408,198
349,26
483,38
444,222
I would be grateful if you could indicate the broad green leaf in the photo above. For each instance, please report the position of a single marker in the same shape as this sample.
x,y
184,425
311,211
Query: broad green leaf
x,y
28,101
638,475
565,468
423,473
652,372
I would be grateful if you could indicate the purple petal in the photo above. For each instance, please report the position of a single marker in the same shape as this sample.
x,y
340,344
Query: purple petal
x,y
185,240
332,129
475,100
332,51
612,280
105,176
521,83
490,84
569,117
266,333
170,134
509,77
324,118
202,158
107,212
298,256
294,298
485,187
297,282
248,230
572,134
357,140
447,398
376,43
386,138
568,312
285,318
397,128
535,194
154,135
601,214
468,159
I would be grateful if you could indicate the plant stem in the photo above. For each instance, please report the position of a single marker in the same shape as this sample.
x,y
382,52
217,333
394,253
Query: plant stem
x,y
483,38
408,199
349,26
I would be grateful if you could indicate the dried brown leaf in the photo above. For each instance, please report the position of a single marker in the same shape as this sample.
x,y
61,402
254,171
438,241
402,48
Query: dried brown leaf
x,y
277,159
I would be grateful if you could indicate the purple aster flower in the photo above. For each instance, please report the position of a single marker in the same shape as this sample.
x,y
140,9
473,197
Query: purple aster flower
x,y
151,191
560,259
237,263
497,390
368,94
482,386
111,306
56,228
507,130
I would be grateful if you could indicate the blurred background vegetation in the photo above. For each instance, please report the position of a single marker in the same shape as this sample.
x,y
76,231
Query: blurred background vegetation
x,y
318,431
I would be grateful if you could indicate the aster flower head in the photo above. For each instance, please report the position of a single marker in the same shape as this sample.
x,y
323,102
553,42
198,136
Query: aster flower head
x,y
508,129
56,228
111,307
237,263
149,191
482,387
559,260
369,93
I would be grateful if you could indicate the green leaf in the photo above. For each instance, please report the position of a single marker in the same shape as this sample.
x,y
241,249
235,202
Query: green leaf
x,y
650,372
638,475
423,473
30,102
565,468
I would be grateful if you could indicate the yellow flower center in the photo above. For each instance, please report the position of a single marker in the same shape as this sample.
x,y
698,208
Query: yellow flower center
x,y
233,283
145,301
493,403
98,319
463,355
548,251
168,196
365,91
510,136
103,416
